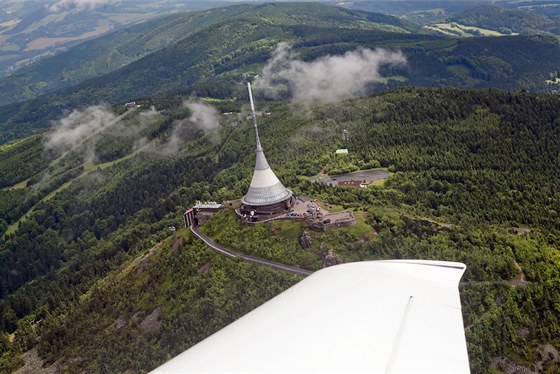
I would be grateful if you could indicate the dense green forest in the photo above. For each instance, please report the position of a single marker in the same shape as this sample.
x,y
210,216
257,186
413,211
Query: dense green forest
x,y
217,51
507,21
114,50
92,278
93,275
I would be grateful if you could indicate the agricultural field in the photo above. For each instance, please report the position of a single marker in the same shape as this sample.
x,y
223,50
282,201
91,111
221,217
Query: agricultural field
x,y
455,29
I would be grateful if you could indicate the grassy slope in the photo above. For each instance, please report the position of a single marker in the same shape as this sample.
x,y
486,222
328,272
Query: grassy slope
x,y
88,168
507,20
456,29
42,176
22,153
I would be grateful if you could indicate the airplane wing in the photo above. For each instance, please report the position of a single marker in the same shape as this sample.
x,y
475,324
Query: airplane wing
x,y
400,316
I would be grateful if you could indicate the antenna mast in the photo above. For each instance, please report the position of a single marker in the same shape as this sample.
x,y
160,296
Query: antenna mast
x,y
345,137
259,147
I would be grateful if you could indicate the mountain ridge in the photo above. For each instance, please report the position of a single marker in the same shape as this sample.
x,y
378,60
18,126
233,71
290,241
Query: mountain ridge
x,y
507,21
185,67
101,55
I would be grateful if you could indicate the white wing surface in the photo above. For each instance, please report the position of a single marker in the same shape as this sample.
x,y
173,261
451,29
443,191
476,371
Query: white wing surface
x,y
376,317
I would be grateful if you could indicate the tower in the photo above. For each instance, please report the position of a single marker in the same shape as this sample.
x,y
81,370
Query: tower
x,y
266,194
345,138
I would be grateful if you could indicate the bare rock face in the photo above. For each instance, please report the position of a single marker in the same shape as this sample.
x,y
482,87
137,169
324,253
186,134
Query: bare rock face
x,y
305,240
33,364
332,259
205,268
151,323
120,323
323,249
317,225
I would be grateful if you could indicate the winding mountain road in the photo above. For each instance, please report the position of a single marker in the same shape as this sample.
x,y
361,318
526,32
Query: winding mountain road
x,y
241,256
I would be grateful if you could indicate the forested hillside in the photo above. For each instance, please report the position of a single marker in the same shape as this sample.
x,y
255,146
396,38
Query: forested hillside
x,y
417,11
34,29
93,278
114,50
207,53
507,21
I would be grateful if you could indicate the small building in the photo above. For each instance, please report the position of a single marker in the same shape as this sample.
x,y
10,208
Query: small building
x,y
205,210
200,213
207,206
342,151
132,104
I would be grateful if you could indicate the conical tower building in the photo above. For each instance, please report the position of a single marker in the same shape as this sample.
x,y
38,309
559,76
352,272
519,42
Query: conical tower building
x,y
266,194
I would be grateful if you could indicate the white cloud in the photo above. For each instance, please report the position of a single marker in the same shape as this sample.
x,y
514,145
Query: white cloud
x,y
327,78
70,130
202,116
76,4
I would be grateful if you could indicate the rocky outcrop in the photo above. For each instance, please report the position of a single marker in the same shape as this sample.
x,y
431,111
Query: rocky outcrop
x,y
120,323
305,240
332,259
33,364
205,268
548,358
151,323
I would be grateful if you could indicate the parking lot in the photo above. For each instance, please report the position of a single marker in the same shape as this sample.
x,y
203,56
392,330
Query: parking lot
x,y
367,176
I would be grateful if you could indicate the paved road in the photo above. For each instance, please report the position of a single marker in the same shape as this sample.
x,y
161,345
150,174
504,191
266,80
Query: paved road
x,y
302,272
237,255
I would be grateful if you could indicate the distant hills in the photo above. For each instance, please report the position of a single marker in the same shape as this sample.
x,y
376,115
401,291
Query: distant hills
x,y
424,12
417,11
208,53
507,21
34,29
117,49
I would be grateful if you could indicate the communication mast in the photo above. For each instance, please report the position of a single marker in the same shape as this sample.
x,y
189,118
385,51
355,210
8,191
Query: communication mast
x,y
266,194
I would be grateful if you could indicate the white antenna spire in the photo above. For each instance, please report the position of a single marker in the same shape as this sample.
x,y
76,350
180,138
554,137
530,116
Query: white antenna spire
x,y
259,147
251,97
